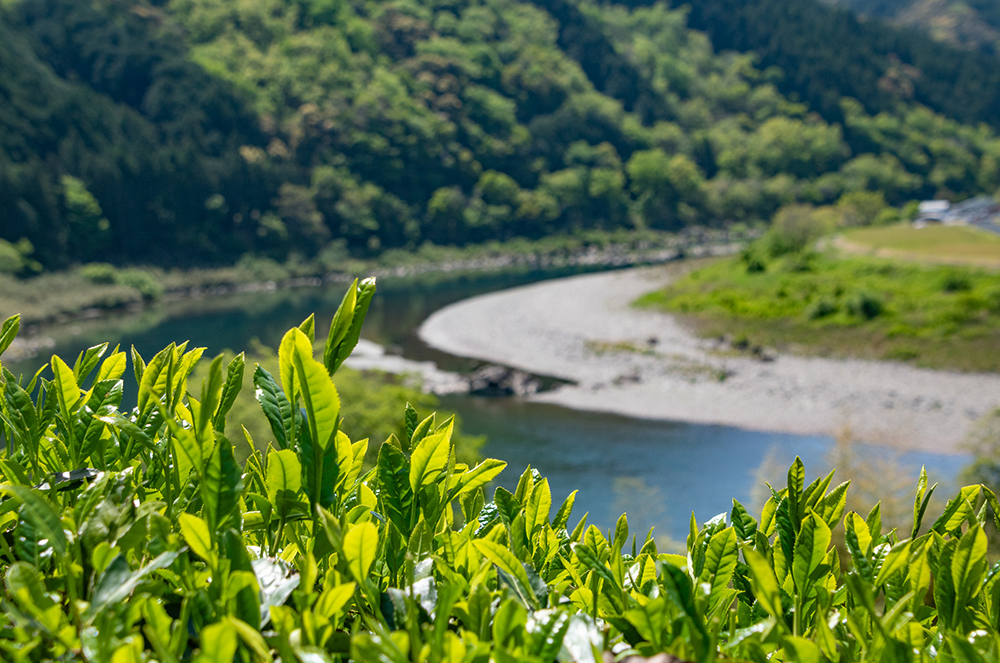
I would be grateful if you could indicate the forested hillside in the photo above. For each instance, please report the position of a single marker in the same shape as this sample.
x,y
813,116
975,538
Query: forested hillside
x,y
194,131
964,23
828,53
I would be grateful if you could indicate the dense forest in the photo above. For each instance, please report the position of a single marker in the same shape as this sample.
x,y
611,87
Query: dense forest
x,y
188,132
973,24
829,53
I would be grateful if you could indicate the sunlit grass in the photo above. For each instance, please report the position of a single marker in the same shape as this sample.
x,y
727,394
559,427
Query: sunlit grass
x,y
931,315
934,243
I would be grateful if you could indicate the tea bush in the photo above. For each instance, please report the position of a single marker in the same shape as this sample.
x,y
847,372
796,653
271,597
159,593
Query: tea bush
x,y
131,534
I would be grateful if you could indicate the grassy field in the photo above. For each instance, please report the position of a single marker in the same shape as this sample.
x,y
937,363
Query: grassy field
x,y
935,316
940,244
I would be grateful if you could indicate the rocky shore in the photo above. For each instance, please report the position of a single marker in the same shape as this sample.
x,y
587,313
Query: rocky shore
x,y
645,364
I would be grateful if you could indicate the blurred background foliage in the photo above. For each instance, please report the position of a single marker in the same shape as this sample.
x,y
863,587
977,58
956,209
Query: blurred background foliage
x,y
193,132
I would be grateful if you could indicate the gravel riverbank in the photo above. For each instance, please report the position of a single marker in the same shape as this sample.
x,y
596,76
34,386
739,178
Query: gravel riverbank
x,y
644,364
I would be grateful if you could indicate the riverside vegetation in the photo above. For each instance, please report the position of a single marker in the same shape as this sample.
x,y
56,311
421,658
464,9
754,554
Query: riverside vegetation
x,y
782,292
132,534
95,288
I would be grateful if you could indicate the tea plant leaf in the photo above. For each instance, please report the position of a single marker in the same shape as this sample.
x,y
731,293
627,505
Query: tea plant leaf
x,y
810,550
720,563
506,562
252,639
41,514
358,451
895,561
536,513
341,344
563,513
24,422
196,533
138,366
874,521
230,391
211,393
498,582
958,510
8,332
277,580
765,584
276,407
744,524
510,620
918,499
621,526
796,480
284,476
802,650
107,396
68,391
87,361
332,601
118,581
340,326
395,494
969,563
944,583
429,459
479,476
649,621
286,367
831,508
410,420
153,384
422,430
222,486
859,541
360,548
25,584
547,629
218,643
187,453
113,367
318,393
308,327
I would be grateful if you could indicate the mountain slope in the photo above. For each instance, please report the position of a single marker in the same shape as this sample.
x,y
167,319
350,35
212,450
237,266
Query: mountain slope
x,y
827,53
972,24
204,129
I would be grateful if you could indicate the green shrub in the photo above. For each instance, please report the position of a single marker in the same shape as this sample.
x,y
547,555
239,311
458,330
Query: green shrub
x,y
794,228
865,305
262,268
821,308
753,259
132,534
15,258
802,261
99,273
11,260
956,282
146,283
864,208
875,298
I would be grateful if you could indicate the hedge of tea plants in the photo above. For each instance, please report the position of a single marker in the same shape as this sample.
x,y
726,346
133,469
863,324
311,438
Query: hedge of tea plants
x,y
131,533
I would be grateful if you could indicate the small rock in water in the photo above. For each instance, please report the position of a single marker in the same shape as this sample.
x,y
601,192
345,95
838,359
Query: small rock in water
x,y
495,380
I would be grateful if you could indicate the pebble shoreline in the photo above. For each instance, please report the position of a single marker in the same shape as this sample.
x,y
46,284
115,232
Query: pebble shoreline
x,y
644,364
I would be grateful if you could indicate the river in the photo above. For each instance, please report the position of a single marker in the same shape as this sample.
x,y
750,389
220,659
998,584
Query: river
x,y
658,472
